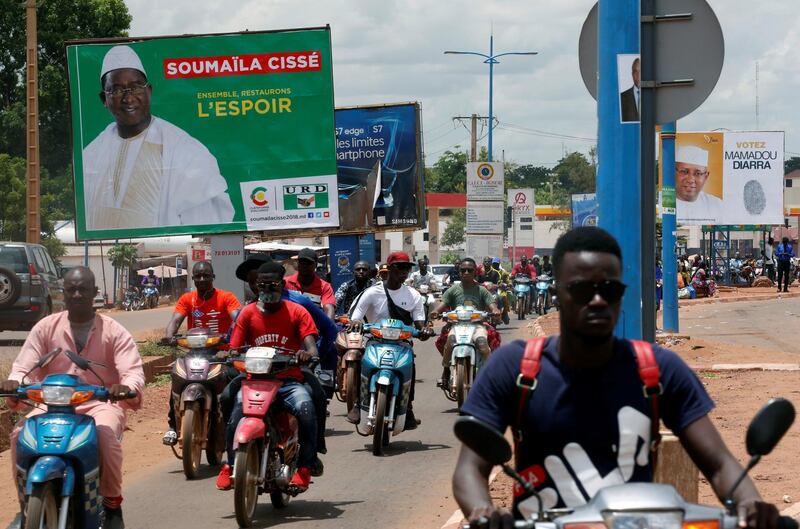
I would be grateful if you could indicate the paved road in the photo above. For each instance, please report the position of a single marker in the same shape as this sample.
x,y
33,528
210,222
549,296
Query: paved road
x,y
768,324
408,487
139,322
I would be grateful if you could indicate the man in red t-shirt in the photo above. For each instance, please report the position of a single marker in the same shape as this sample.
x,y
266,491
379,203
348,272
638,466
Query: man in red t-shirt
x,y
523,268
307,282
207,307
271,322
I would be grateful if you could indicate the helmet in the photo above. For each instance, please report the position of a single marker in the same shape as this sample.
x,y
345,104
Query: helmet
x,y
496,260
151,270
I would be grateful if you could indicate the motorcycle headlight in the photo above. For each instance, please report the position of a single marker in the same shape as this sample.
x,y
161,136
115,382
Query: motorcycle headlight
x,y
258,360
57,395
643,520
196,341
197,364
390,333
464,315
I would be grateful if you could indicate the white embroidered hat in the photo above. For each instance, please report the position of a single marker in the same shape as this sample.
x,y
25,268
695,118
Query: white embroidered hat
x,y
121,57
691,154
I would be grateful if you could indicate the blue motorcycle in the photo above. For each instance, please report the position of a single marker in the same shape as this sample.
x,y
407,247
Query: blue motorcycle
x,y
542,303
58,470
149,299
386,369
522,295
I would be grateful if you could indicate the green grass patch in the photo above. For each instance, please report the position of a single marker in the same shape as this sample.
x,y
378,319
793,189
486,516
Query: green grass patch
x,y
160,380
709,375
153,348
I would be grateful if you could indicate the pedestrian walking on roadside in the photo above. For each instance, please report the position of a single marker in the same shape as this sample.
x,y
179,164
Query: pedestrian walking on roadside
x,y
784,253
768,253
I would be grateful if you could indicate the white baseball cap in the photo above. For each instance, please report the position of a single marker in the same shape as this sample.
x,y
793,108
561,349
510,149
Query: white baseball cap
x,y
121,57
691,154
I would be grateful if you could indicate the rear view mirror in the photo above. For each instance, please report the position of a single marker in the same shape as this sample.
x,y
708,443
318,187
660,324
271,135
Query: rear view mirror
x,y
78,360
483,439
768,426
43,361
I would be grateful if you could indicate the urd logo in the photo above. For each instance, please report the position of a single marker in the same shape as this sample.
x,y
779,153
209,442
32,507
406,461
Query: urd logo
x,y
305,196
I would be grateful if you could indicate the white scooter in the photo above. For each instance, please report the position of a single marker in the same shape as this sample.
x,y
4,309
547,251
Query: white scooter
x,y
465,359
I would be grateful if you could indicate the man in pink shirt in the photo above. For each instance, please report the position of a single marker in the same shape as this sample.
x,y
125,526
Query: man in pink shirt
x,y
307,282
100,339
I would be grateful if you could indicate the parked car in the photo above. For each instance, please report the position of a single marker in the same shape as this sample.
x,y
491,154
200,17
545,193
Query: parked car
x,y
30,285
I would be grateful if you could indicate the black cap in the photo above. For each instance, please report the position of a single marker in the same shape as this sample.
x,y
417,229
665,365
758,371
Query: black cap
x,y
251,263
308,254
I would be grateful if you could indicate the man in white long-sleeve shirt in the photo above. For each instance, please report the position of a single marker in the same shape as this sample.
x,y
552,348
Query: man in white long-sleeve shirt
x,y
143,171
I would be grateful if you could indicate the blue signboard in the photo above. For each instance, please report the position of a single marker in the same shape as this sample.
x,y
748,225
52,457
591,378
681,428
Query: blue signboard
x,y
343,254
379,167
584,210
366,248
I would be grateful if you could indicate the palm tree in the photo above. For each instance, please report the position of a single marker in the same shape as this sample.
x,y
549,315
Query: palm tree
x,y
122,257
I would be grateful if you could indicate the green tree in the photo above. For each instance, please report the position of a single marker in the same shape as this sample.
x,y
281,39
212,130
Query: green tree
x,y
522,176
456,228
58,21
12,206
575,173
791,164
122,255
449,173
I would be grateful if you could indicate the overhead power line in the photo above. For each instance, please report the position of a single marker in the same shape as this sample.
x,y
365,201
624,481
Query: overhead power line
x,y
543,133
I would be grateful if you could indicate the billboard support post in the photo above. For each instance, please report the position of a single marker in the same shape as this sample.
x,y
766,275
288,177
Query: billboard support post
x,y
618,183
647,156
669,286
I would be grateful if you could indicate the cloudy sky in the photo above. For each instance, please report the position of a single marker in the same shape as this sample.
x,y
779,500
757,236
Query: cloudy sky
x,y
389,51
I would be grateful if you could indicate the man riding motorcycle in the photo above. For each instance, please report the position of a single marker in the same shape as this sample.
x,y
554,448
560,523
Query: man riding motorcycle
x,y
469,292
423,276
209,307
269,322
524,268
248,272
151,280
96,338
349,291
392,299
582,422
489,273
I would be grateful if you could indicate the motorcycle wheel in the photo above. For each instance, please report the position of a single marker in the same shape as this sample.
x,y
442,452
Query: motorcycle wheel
x,y
351,384
245,484
192,433
520,310
42,512
381,428
462,380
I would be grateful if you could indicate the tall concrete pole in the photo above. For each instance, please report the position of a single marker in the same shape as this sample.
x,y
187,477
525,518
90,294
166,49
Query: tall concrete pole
x,y
33,218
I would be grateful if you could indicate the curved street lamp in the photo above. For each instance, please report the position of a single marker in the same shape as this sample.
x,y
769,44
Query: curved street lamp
x,y
491,60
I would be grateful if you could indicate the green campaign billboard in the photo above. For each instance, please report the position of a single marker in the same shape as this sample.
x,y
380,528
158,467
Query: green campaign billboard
x,y
203,134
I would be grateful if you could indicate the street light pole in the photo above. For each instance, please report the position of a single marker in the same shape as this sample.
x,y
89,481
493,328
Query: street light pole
x,y
491,60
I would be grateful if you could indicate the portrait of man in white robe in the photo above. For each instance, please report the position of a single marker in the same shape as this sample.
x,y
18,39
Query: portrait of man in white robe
x,y
142,171
695,206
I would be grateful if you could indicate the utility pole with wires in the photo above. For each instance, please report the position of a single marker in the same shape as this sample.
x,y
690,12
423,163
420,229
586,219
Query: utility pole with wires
x,y
473,119
33,217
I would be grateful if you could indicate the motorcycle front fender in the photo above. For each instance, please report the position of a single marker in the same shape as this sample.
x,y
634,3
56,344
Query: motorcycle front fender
x,y
463,351
195,393
385,377
249,429
47,468
352,355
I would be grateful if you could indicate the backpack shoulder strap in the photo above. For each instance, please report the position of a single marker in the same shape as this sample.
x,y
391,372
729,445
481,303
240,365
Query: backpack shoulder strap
x,y
526,383
652,389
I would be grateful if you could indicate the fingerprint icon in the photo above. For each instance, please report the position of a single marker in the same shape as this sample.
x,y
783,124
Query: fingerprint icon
x,y
755,200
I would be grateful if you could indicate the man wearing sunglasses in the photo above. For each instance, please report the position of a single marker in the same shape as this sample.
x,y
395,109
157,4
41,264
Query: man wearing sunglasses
x,y
468,292
142,171
587,423
405,304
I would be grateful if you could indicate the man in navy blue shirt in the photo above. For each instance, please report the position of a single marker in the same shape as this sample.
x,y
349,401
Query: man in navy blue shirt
x,y
587,424
783,254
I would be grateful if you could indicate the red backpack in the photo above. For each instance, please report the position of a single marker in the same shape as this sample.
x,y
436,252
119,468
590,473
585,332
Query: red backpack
x,y
648,372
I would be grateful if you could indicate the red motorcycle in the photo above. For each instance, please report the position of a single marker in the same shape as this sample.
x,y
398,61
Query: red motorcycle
x,y
266,440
